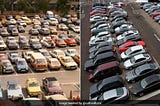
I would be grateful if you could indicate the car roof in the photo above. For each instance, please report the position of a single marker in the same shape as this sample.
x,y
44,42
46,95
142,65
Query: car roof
x,y
112,79
133,48
152,78
104,55
108,65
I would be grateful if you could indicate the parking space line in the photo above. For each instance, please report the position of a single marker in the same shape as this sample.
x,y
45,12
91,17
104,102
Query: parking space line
x,y
157,37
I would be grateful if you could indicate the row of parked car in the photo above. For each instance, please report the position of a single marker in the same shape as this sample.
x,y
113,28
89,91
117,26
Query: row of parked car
x,y
40,61
103,63
50,86
153,9
37,42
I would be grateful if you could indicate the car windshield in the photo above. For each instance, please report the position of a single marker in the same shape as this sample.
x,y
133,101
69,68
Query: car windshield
x,y
120,92
13,86
21,62
39,61
94,71
54,62
144,83
53,83
138,71
33,84
127,51
132,60
14,55
67,60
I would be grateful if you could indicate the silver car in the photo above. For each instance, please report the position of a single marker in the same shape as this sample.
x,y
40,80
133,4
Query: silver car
x,y
14,90
21,65
113,95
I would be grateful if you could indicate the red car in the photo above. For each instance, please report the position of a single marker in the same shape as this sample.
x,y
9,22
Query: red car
x,y
71,41
97,12
153,15
60,42
129,44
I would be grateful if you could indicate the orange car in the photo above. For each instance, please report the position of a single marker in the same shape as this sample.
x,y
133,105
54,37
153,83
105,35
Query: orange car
x,y
60,42
71,41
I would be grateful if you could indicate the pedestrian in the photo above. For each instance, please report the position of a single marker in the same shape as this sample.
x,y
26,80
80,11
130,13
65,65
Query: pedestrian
x,y
67,32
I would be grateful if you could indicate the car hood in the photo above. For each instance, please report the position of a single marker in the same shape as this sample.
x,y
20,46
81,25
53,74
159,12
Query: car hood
x,y
89,63
127,64
93,90
123,55
136,88
34,89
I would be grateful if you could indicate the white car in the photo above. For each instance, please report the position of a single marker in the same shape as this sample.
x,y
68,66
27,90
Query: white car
x,y
57,53
137,60
70,52
132,51
100,39
127,33
14,90
124,26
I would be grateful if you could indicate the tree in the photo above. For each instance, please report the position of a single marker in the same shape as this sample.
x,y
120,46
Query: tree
x,y
42,5
2,7
63,7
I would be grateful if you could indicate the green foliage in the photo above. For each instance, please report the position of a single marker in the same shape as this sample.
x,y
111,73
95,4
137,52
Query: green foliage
x,y
63,7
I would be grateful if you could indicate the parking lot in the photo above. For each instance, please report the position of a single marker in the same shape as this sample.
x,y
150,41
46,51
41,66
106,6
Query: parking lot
x,y
150,35
69,79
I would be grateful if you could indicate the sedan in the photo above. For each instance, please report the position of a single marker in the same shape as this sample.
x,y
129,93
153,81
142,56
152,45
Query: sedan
x,y
51,86
14,90
7,66
113,95
71,41
21,29
4,32
105,85
12,45
129,38
33,31
68,62
132,51
33,87
13,56
70,52
129,44
21,65
60,42
44,31
57,53
36,45
137,60
142,72
54,64
146,85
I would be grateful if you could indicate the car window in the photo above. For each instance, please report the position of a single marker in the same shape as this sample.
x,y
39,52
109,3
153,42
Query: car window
x,y
144,83
136,51
141,59
33,84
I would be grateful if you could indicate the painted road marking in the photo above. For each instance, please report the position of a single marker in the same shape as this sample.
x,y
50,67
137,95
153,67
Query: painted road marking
x,y
157,37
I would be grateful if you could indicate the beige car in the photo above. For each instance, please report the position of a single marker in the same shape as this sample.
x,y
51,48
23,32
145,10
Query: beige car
x,y
54,64
68,62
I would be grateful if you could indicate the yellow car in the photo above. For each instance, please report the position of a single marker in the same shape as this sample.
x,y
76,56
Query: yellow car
x,y
68,62
53,31
33,87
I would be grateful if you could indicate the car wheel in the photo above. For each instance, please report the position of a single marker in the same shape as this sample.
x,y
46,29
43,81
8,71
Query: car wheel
x,y
141,94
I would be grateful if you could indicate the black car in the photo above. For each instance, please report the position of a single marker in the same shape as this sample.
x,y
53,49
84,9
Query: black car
x,y
146,85
105,85
103,44
142,72
100,50
99,59
129,38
